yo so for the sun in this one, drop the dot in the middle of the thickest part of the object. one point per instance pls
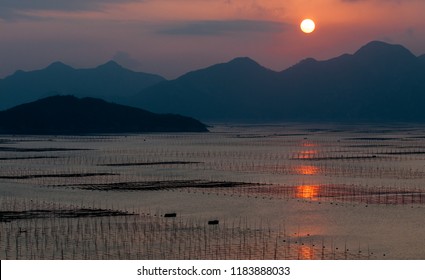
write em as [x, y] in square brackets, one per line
[307, 25]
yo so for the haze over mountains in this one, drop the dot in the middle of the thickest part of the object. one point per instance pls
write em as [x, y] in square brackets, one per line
[379, 82]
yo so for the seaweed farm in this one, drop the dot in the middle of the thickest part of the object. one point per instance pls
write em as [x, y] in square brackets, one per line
[285, 191]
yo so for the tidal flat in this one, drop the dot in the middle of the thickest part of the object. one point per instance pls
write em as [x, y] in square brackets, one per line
[283, 191]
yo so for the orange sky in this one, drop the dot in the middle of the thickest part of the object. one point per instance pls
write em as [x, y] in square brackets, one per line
[171, 37]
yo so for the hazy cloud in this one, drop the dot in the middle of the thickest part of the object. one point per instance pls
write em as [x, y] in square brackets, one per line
[64, 5]
[379, 1]
[10, 9]
[216, 27]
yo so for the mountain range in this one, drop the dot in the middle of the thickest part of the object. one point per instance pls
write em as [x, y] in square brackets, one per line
[379, 82]
[72, 115]
[109, 81]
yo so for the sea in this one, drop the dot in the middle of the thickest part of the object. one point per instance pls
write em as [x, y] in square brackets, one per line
[241, 191]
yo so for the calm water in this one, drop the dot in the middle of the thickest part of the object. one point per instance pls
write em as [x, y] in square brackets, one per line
[279, 191]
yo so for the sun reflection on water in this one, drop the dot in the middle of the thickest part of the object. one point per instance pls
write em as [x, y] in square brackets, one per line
[308, 144]
[306, 170]
[305, 253]
[308, 154]
[308, 192]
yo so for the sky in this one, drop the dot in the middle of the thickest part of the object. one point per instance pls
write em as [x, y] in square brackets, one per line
[172, 37]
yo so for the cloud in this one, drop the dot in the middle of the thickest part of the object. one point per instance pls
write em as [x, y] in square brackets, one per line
[223, 27]
[62, 5]
[11, 9]
[380, 1]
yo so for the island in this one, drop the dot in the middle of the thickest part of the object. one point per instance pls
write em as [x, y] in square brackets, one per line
[68, 115]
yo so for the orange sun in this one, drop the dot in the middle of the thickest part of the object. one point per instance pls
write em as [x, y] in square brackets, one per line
[307, 26]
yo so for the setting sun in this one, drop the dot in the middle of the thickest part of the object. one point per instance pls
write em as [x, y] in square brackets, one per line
[307, 26]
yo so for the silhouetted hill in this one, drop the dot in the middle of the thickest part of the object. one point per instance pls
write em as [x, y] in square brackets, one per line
[71, 115]
[379, 82]
[221, 91]
[379, 52]
[109, 81]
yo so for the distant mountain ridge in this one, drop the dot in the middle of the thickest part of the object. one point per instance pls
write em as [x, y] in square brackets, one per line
[109, 81]
[379, 82]
[218, 90]
[70, 115]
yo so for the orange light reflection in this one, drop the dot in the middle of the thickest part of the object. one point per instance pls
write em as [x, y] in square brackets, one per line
[308, 192]
[307, 170]
[305, 253]
[307, 154]
[309, 144]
